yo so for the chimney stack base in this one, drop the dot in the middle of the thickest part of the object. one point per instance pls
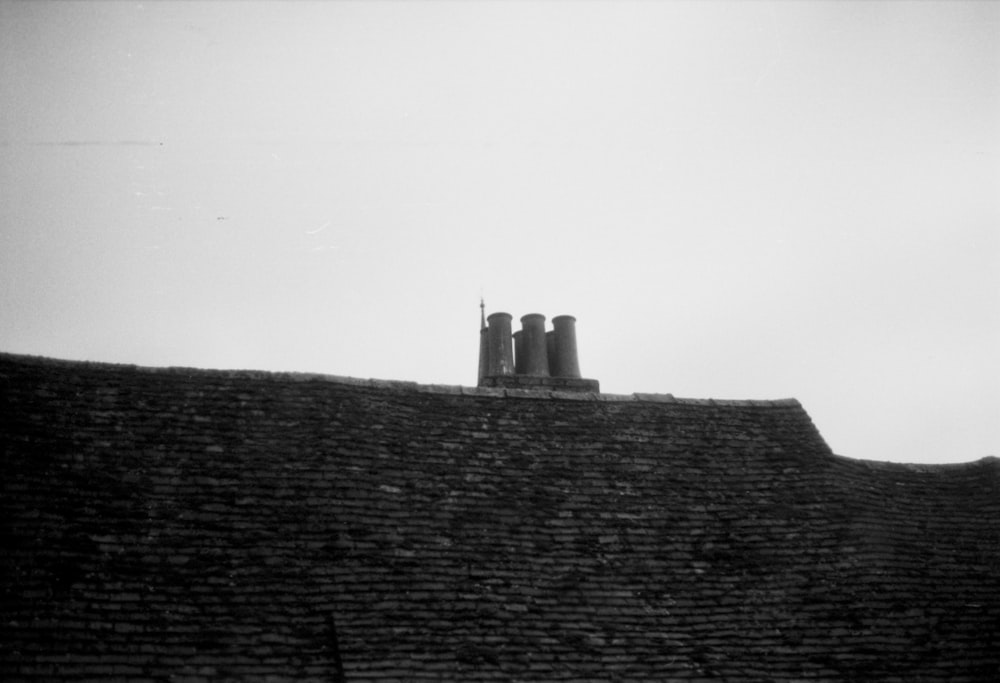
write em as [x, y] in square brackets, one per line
[536, 383]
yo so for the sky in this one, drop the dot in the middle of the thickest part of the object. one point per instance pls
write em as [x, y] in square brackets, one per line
[739, 200]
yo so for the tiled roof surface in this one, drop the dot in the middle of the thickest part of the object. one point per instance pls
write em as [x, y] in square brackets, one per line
[206, 525]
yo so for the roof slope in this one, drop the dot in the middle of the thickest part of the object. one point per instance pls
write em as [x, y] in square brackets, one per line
[213, 525]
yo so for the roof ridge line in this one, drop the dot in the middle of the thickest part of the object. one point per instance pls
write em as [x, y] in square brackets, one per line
[398, 384]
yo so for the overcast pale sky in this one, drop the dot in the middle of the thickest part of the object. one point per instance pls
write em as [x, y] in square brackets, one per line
[735, 199]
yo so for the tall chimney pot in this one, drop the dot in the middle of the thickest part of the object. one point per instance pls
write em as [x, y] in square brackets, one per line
[500, 359]
[484, 352]
[550, 351]
[519, 356]
[532, 355]
[566, 362]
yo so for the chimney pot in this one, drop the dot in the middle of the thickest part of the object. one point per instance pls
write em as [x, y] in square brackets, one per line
[564, 335]
[519, 356]
[484, 354]
[532, 355]
[550, 351]
[500, 354]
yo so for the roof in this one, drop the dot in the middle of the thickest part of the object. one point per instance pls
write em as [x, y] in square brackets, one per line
[207, 525]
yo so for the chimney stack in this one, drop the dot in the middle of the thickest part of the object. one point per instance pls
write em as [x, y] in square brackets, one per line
[543, 361]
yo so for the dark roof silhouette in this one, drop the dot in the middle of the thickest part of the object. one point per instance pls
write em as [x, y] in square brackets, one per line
[209, 525]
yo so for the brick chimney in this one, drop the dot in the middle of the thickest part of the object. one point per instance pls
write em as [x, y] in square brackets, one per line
[530, 358]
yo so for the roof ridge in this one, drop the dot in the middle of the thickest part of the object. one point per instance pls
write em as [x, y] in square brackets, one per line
[399, 385]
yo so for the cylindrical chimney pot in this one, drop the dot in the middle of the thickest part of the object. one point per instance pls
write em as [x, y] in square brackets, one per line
[567, 364]
[550, 351]
[484, 354]
[519, 356]
[533, 349]
[501, 355]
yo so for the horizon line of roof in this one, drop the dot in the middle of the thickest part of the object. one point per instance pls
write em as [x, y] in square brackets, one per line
[400, 385]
